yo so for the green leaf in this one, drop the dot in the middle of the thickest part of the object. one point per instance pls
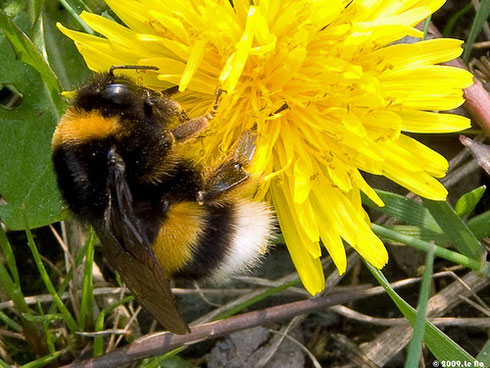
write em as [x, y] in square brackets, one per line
[34, 8]
[27, 178]
[468, 201]
[481, 17]
[452, 225]
[167, 360]
[420, 233]
[13, 7]
[175, 362]
[28, 53]
[405, 209]
[483, 356]
[438, 343]
[63, 56]
[480, 225]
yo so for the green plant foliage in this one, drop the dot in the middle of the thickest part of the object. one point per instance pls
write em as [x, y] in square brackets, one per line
[453, 226]
[484, 355]
[415, 347]
[405, 210]
[438, 343]
[27, 180]
[480, 225]
[468, 201]
[481, 17]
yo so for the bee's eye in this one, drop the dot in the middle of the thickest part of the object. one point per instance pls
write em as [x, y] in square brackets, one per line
[116, 93]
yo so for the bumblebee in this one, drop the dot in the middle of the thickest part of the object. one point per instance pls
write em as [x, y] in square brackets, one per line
[118, 156]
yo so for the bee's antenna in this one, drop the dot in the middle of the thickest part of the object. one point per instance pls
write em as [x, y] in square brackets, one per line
[133, 67]
[170, 91]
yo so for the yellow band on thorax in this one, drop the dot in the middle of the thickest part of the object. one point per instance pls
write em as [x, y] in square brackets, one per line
[78, 127]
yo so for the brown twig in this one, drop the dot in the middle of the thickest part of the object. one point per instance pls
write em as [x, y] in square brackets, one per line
[481, 45]
[161, 343]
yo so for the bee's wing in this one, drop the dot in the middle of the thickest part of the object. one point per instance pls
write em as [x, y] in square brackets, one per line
[131, 253]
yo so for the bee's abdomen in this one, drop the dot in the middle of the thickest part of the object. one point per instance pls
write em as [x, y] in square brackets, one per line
[213, 241]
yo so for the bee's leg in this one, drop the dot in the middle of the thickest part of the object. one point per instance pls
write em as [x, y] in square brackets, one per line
[190, 128]
[230, 173]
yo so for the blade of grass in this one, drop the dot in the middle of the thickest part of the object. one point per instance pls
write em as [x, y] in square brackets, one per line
[67, 317]
[41, 362]
[4, 365]
[10, 322]
[47, 332]
[415, 347]
[452, 225]
[86, 305]
[438, 343]
[426, 26]
[481, 17]
[100, 322]
[99, 340]
[448, 29]
[30, 330]
[69, 276]
[425, 246]
[11, 286]
[80, 4]
[75, 16]
[9, 256]
[13, 290]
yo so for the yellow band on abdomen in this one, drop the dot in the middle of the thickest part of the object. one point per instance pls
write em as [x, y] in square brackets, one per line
[178, 236]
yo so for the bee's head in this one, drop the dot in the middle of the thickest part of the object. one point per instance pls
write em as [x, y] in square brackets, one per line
[114, 111]
[120, 96]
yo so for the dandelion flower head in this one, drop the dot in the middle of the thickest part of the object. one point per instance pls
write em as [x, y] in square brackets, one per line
[324, 84]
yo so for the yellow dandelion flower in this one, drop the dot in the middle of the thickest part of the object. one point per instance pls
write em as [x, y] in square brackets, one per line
[325, 86]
